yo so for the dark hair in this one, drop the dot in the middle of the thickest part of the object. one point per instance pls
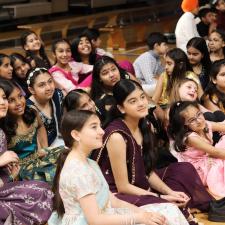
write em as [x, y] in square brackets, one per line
[6, 86]
[44, 62]
[72, 99]
[97, 87]
[204, 11]
[10, 122]
[177, 129]
[2, 56]
[211, 90]
[75, 53]
[33, 73]
[55, 43]
[200, 44]
[72, 120]
[181, 66]
[121, 91]
[222, 35]
[155, 38]
[91, 33]
[16, 56]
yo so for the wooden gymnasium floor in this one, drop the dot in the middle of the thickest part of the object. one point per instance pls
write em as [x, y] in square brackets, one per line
[130, 54]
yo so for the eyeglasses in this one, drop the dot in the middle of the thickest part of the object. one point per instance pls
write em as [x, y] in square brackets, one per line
[193, 120]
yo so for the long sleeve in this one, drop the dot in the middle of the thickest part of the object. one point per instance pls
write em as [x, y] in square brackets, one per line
[185, 30]
[62, 82]
[146, 67]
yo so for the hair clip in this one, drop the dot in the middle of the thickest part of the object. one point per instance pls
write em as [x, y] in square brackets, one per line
[31, 74]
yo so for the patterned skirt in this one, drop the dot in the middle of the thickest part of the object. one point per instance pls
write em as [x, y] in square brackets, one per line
[34, 167]
[25, 202]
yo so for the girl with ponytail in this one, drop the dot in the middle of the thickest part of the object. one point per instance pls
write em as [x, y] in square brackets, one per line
[82, 194]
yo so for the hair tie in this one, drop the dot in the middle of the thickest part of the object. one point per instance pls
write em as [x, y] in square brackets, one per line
[31, 74]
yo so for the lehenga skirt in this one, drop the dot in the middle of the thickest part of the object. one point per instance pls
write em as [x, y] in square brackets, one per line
[34, 167]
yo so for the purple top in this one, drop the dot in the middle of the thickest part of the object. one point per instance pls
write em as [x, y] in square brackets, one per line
[135, 163]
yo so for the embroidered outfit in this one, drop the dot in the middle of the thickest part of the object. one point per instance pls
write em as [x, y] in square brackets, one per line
[79, 76]
[89, 180]
[23, 202]
[51, 123]
[178, 176]
[33, 167]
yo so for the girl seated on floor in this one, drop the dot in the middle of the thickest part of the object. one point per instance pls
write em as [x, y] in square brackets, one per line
[82, 194]
[192, 136]
[26, 135]
[46, 100]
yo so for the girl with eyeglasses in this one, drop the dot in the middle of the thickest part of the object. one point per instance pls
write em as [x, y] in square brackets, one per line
[192, 136]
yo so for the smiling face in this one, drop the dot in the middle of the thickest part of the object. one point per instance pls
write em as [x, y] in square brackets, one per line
[91, 135]
[194, 56]
[109, 75]
[135, 105]
[6, 69]
[188, 91]
[43, 88]
[194, 119]
[17, 102]
[21, 68]
[216, 42]
[33, 43]
[63, 53]
[84, 46]
[3, 104]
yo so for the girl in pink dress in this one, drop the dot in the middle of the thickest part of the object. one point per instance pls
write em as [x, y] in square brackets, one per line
[192, 136]
[68, 74]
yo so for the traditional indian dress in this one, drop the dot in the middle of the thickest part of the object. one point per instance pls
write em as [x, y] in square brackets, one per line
[80, 76]
[33, 167]
[51, 123]
[211, 170]
[178, 176]
[22, 202]
[89, 180]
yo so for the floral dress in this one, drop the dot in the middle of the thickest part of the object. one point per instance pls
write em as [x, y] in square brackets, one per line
[74, 185]
[22, 202]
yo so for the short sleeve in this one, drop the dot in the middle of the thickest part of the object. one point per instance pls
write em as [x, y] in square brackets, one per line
[81, 182]
[83, 186]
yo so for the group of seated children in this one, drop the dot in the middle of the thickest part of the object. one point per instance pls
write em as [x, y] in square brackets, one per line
[90, 140]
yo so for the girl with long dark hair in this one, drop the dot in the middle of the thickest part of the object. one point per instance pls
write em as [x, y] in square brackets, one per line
[192, 136]
[20, 71]
[67, 73]
[199, 59]
[26, 135]
[129, 165]
[82, 194]
[19, 198]
[34, 48]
